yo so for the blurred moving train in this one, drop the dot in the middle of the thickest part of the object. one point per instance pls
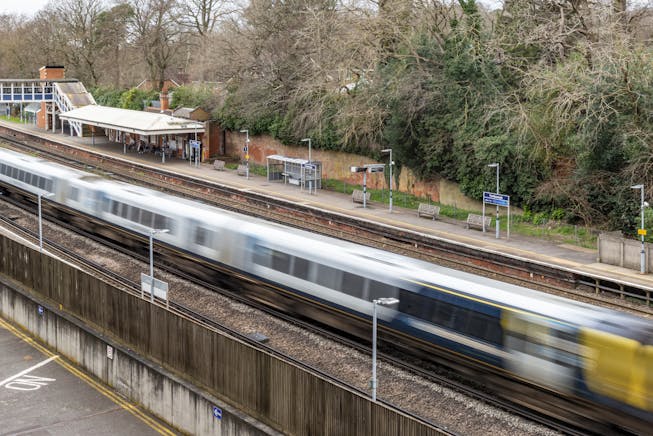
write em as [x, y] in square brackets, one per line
[600, 357]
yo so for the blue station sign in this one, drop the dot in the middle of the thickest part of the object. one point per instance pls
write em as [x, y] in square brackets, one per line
[496, 199]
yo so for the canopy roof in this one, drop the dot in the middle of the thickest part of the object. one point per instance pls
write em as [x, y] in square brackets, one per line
[287, 159]
[127, 120]
[32, 108]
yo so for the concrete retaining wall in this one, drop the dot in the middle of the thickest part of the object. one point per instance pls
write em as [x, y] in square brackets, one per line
[622, 252]
[171, 399]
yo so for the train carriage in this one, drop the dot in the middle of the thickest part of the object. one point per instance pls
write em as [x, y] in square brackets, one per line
[582, 351]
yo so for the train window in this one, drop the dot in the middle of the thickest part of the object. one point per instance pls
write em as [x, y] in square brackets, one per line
[48, 185]
[21, 175]
[134, 214]
[42, 182]
[14, 173]
[476, 325]
[115, 208]
[74, 194]
[353, 284]
[300, 268]
[3, 169]
[443, 314]
[146, 218]
[262, 255]
[327, 276]
[124, 210]
[413, 304]
[380, 290]
[160, 222]
[203, 236]
[281, 261]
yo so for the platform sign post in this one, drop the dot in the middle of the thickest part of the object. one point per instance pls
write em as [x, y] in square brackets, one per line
[309, 173]
[154, 287]
[497, 200]
[246, 150]
[371, 168]
[195, 145]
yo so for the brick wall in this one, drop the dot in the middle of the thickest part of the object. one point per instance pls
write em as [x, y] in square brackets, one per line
[336, 165]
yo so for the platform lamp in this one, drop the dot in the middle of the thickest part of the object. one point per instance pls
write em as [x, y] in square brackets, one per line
[309, 147]
[246, 150]
[152, 233]
[389, 150]
[40, 195]
[383, 302]
[641, 231]
[496, 165]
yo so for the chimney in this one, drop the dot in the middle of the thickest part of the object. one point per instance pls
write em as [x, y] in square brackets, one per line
[52, 72]
[163, 98]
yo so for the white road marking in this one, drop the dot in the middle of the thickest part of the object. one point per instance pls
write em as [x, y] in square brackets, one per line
[27, 371]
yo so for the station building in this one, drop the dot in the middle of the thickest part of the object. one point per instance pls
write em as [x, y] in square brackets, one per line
[58, 104]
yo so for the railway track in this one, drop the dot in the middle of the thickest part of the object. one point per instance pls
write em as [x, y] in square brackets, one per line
[594, 290]
[419, 368]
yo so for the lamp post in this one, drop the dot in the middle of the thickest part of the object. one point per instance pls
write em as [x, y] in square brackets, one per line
[641, 231]
[40, 195]
[309, 147]
[496, 165]
[152, 233]
[310, 185]
[382, 302]
[246, 150]
[389, 150]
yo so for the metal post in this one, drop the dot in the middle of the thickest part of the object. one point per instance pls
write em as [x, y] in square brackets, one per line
[641, 231]
[364, 189]
[40, 227]
[496, 165]
[309, 148]
[387, 301]
[151, 267]
[389, 150]
[375, 302]
[642, 268]
[309, 161]
[152, 233]
[497, 220]
[246, 150]
[40, 195]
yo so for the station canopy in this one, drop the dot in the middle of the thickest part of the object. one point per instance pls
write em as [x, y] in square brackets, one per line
[131, 121]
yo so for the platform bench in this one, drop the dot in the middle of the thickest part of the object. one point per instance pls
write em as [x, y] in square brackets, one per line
[428, 210]
[474, 220]
[241, 170]
[357, 196]
[218, 165]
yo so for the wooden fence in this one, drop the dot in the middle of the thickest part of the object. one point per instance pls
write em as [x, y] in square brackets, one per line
[273, 391]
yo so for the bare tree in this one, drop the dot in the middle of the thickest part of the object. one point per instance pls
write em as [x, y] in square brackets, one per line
[155, 30]
[203, 16]
[79, 36]
[112, 29]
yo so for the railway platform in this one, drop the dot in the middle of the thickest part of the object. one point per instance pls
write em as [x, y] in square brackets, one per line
[540, 250]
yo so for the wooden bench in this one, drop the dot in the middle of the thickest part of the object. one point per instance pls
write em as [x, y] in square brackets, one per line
[474, 220]
[357, 196]
[241, 170]
[428, 210]
[218, 165]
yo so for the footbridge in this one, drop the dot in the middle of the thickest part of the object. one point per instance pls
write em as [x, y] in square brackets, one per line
[53, 91]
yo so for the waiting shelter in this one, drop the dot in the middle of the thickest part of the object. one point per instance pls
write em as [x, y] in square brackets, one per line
[143, 131]
[301, 172]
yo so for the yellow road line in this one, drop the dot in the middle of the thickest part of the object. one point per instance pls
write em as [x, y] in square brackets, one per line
[159, 428]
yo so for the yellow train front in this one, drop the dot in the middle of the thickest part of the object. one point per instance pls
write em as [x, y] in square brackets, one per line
[600, 356]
